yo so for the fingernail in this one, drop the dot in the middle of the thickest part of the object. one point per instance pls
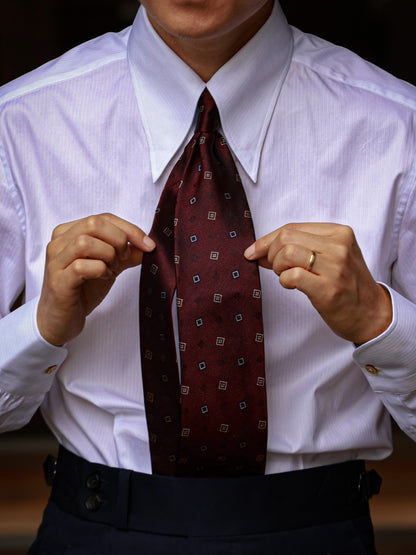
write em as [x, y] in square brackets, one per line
[150, 244]
[250, 251]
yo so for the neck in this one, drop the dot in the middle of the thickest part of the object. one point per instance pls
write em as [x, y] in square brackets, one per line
[206, 55]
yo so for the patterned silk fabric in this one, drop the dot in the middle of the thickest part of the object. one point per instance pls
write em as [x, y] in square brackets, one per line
[209, 418]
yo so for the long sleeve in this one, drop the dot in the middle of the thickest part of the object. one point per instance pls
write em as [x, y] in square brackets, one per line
[389, 361]
[27, 362]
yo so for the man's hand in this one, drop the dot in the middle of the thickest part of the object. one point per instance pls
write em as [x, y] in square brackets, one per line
[339, 284]
[83, 260]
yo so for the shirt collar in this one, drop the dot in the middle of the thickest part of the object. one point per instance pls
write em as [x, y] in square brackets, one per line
[245, 89]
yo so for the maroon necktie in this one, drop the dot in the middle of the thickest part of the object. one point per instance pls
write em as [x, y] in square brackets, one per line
[209, 418]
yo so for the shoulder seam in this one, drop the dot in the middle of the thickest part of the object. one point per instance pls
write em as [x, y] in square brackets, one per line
[60, 78]
[359, 84]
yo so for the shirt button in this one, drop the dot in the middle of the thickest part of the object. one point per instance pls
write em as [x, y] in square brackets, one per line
[371, 369]
[51, 369]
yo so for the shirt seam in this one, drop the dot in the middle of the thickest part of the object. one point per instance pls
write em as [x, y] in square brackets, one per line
[410, 189]
[31, 89]
[409, 184]
[386, 94]
[11, 186]
[56, 79]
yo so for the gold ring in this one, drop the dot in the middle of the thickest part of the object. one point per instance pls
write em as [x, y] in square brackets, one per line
[311, 261]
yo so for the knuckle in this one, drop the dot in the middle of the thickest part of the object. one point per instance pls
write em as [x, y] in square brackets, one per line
[57, 231]
[78, 267]
[50, 250]
[296, 274]
[342, 255]
[92, 223]
[289, 279]
[289, 252]
[54, 283]
[347, 234]
[81, 243]
[286, 235]
[287, 227]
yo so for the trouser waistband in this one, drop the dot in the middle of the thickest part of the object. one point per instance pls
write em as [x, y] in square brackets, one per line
[210, 506]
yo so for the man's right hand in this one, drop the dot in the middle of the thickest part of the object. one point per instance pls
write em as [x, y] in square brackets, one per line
[83, 260]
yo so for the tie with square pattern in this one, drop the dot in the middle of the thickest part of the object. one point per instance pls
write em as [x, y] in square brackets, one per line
[213, 420]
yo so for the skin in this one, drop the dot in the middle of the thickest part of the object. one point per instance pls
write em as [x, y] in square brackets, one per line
[207, 33]
[85, 257]
[83, 261]
[339, 284]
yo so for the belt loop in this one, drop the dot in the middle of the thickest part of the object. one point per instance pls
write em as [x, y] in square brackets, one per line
[369, 484]
[122, 508]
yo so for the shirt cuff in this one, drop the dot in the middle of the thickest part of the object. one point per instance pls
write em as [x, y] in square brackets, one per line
[389, 360]
[28, 363]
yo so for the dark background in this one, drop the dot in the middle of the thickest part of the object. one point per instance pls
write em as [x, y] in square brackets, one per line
[34, 31]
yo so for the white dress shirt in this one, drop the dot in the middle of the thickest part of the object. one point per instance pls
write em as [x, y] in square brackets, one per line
[318, 135]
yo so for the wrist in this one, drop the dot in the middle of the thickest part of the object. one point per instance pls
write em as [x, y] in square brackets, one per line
[377, 320]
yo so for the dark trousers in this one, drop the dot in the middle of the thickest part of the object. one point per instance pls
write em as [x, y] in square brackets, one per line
[62, 533]
[97, 510]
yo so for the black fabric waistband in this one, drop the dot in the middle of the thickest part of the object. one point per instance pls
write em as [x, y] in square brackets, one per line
[210, 506]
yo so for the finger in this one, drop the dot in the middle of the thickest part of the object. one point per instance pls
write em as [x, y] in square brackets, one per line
[264, 263]
[82, 269]
[62, 285]
[85, 247]
[287, 249]
[325, 229]
[311, 235]
[109, 228]
[301, 279]
[135, 235]
[134, 259]
[259, 249]
[270, 244]
[97, 227]
[296, 256]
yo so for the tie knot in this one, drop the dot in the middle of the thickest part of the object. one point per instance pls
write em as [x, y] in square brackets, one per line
[208, 114]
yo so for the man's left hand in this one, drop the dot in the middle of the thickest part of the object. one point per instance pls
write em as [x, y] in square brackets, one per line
[324, 261]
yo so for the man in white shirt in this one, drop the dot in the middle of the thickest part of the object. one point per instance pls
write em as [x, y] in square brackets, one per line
[318, 136]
